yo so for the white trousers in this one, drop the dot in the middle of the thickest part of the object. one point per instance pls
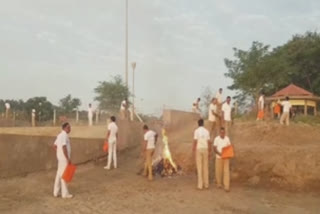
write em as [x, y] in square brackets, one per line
[112, 154]
[90, 120]
[59, 183]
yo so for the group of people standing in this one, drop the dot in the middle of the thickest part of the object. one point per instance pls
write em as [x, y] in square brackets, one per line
[219, 113]
[62, 147]
[285, 105]
[205, 142]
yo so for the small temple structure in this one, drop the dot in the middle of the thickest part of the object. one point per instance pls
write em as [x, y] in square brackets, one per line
[303, 101]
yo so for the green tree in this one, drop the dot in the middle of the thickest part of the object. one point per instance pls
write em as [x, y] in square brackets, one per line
[302, 54]
[206, 97]
[111, 93]
[249, 77]
[257, 69]
[44, 108]
[68, 104]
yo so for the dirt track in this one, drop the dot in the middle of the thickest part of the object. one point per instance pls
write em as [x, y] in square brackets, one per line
[122, 191]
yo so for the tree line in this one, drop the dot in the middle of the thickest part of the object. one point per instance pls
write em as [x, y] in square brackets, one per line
[109, 95]
[262, 69]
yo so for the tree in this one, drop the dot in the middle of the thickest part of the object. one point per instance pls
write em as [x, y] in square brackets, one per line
[44, 109]
[249, 78]
[258, 69]
[206, 97]
[303, 57]
[68, 104]
[111, 93]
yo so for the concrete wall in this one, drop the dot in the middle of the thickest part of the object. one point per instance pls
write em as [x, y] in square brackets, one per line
[22, 154]
[175, 118]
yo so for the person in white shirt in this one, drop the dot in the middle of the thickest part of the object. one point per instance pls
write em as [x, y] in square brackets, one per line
[201, 149]
[219, 97]
[222, 166]
[33, 118]
[285, 117]
[123, 109]
[196, 106]
[149, 145]
[63, 151]
[226, 115]
[112, 137]
[261, 107]
[214, 117]
[7, 105]
[90, 114]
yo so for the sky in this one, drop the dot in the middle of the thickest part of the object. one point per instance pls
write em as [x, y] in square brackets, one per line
[54, 48]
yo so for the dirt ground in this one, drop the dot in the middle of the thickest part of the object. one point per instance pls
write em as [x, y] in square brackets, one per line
[276, 170]
[266, 154]
[123, 191]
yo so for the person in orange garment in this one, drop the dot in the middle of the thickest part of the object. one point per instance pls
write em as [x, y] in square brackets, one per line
[261, 107]
[277, 109]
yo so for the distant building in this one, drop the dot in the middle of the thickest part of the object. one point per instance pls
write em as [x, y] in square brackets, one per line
[303, 101]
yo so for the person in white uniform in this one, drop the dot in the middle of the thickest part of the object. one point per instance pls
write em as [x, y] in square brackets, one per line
[33, 117]
[112, 137]
[222, 166]
[149, 145]
[90, 114]
[201, 149]
[196, 106]
[285, 117]
[261, 107]
[214, 118]
[123, 109]
[63, 152]
[7, 105]
[226, 116]
[219, 97]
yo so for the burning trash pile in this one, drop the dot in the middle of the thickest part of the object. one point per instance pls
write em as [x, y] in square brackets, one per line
[165, 166]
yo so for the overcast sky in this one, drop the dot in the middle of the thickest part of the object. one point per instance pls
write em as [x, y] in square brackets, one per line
[55, 47]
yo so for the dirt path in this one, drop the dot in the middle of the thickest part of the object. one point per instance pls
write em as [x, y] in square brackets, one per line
[122, 191]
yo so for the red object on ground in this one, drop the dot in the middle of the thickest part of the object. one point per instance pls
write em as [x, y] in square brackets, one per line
[227, 152]
[105, 146]
[69, 172]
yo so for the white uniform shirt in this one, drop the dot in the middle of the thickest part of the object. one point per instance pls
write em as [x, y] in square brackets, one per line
[261, 102]
[286, 106]
[220, 144]
[213, 108]
[202, 136]
[90, 112]
[63, 140]
[226, 108]
[113, 128]
[195, 106]
[150, 137]
[219, 97]
[7, 105]
[123, 105]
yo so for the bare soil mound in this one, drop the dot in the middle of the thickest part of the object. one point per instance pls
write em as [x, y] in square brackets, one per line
[267, 154]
